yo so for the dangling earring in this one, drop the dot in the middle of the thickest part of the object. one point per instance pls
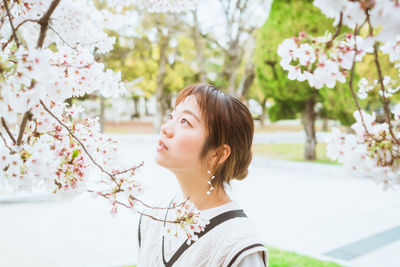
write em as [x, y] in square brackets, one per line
[210, 183]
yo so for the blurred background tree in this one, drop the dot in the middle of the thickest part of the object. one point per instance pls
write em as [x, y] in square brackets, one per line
[293, 98]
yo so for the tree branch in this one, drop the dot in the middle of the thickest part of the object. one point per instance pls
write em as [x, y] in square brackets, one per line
[16, 29]
[141, 213]
[11, 22]
[130, 169]
[3, 122]
[62, 39]
[78, 140]
[5, 143]
[336, 34]
[212, 39]
[112, 176]
[44, 22]
[385, 102]
[27, 117]
[159, 208]
[356, 31]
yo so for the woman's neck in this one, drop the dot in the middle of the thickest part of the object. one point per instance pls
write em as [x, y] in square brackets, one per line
[195, 187]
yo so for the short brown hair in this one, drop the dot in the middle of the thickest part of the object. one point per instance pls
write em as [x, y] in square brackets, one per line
[228, 121]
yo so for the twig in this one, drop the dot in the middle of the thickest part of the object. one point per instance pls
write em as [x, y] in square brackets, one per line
[62, 39]
[78, 140]
[112, 176]
[215, 41]
[11, 22]
[5, 143]
[336, 34]
[356, 31]
[159, 208]
[144, 214]
[3, 122]
[385, 102]
[16, 29]
[44, 22]
[130, 169]
[370, 28]
[27, 117]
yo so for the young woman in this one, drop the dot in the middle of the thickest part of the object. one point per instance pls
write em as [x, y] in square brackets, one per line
[206, 143]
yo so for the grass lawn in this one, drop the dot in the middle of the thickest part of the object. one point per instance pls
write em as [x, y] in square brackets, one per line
[290, 152]
[283, 258]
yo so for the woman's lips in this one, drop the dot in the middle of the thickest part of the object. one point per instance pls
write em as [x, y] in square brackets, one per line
[161, 146]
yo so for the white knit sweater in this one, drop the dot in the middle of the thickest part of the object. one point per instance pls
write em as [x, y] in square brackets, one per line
[231, 239]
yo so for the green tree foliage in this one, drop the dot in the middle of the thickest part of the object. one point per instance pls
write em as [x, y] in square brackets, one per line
[289, 18]
[137, 57]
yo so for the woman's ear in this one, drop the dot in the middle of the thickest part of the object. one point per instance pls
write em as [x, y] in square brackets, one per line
[220, 155]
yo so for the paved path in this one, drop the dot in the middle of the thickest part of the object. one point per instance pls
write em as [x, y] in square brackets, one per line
[313, 209]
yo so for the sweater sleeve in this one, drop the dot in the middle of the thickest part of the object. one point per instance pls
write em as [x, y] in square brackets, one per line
[252, 260]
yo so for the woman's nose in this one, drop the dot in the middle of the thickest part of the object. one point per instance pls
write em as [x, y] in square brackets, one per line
[166, 130]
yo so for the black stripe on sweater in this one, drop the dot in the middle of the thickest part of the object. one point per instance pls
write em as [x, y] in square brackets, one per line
[243, 250]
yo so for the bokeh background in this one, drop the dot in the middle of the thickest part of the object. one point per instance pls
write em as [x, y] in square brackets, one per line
[308, 210]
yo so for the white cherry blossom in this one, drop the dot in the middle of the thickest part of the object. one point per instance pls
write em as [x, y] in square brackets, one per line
[60, 149]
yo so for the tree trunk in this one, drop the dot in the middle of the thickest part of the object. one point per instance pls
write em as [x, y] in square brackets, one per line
[247, 82]
[231, 68]
[146, 108]
[263, 112]
[101, 117]
[325, 125]
[308, 118]
[136, 114]
[249, 73]
[160, 107]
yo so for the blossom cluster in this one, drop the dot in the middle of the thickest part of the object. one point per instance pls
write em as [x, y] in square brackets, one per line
[384, 15]
[365, 86]
[320, 60]
[46, 58]
[190, 221]
[370, 152]
[373, 150]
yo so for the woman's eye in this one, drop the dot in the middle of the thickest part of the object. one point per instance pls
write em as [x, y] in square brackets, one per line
[170, 116]
[184, 121]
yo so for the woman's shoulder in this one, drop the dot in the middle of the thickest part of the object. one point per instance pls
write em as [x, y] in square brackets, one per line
[236, 221]
[234, 238]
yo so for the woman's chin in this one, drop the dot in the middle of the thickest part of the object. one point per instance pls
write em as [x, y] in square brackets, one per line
[159, 160]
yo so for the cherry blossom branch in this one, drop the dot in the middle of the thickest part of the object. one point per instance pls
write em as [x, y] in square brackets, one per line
[72, 66]
[5, 143]
[356, 31]
[370, 28]
[3, 122]
[130, 169]
[112, 176]
[159, 208]
[385, 102]
[14, 32]
[336, 34]
[78, 140]
[62, 39]
[27, 117]
[44, 22]
[16, 29]
[141, 213]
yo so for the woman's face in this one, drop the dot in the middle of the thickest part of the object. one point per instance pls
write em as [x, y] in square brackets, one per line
[182, 138]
